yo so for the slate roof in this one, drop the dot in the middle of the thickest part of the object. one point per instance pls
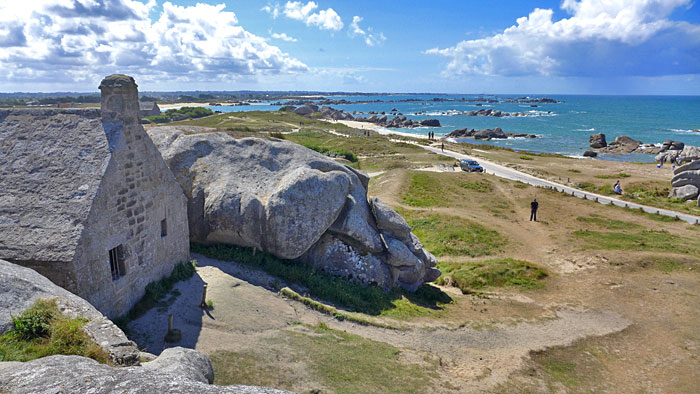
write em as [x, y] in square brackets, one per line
[146, 105]
[51, 164]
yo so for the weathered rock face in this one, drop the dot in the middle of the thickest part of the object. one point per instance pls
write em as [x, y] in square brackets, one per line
[177, 370]
[590, 153]
[290, 201]
[598, 141]
[21, 287]
[686, 181]
[487, 134]
[672, 145]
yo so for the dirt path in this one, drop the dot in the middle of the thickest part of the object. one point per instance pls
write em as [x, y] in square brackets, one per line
[247, 313]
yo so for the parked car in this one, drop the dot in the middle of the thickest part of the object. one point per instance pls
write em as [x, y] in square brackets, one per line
[470, 166]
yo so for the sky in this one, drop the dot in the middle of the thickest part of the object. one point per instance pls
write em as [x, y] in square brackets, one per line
[437, 46]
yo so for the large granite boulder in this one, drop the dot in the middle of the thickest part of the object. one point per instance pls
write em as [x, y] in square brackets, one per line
[176, 370]
[487, 134]
[20, 287]
[290, 201]
[622, 145]
[685, 183]
[598, 141]
[687, 154]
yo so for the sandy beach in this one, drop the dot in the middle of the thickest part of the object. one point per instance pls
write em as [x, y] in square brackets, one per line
[379, 129]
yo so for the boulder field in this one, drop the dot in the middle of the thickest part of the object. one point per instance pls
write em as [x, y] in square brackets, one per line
[295, 203]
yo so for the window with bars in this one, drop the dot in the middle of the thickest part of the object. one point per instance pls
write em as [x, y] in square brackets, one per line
[116, 262]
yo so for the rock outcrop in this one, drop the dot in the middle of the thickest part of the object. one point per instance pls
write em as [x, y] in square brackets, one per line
[687, 154]
[290, 201]
[399, 122]
[598, 141]
[685, 184]
[21, 287]
[176, 370]
[590, 153]
[486, 134]
[622, 145]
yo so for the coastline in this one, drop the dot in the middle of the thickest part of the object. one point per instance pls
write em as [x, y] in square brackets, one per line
[378, 129]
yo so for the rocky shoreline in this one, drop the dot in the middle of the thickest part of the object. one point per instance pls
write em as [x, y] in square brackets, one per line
[328, 113]
[486, 134]
[506, 100]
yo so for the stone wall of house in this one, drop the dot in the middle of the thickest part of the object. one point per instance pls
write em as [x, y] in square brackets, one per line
[137, 193]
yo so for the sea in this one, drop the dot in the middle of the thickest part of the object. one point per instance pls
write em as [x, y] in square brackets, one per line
[563, 127]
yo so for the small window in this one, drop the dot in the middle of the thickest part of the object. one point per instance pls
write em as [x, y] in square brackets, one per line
[164, 227]
[116, 262]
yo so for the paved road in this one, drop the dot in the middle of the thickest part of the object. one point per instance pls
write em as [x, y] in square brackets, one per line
[509, 173]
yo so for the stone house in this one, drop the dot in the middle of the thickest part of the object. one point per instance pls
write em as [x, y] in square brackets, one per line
[87, 200]
[149, 108]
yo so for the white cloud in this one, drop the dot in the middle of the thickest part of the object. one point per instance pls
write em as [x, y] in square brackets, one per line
[272, 9]
[83, 40]
[370, 38]
[602, 37]
[283, 37]
[326, 19]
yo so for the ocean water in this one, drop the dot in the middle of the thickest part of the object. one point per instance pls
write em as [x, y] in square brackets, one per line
[561, 127]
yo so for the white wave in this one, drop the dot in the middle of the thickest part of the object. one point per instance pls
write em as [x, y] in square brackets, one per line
[683, 131]
[591, 129]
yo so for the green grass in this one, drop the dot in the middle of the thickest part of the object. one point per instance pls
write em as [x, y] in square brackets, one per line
[424, 191]
[453, 236]
[561, 371]
[477, 186]
[339, 361]
[338, 291]
[609, 224]
[507, 272]
[523, 157]
[42, 330]
[156, 292]
[575, 171]
[647, 240]
[613, 176]
[349, 156]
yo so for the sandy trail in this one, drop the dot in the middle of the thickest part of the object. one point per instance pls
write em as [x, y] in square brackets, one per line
[247, 312]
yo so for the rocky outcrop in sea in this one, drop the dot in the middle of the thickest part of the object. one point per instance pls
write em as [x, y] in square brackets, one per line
[295, 203]
[486, 134]
[620, 146]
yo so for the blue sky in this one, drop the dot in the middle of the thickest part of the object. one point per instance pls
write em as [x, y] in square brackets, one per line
[569, 46]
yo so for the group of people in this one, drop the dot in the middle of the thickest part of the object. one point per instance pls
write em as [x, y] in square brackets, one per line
[617, 188]
[366, 133]
[431, 135]
[674, 161]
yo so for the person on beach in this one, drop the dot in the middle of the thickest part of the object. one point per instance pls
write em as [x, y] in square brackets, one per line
[533, 209]
[442, 146]
[617, 188]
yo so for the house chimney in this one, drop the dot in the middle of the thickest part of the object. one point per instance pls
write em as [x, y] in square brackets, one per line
[120, 99]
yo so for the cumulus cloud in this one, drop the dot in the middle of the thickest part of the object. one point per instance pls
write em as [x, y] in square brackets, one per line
[326, 19]
[370, 38]
[601, 37]
[83, 40]
[283, 37]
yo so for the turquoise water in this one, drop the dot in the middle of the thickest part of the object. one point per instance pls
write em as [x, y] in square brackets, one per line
[565, 130]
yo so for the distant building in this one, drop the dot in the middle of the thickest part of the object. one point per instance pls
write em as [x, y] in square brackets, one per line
[87, 200]
[149, 108]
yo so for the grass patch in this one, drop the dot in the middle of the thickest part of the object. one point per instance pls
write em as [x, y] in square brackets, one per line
[340, 292]
[477, 186]
[423, 191]
[648, 240]
[453, 236]
[610, 224]
[336, 360]
[561, 371]
[507, 272]
[575, 171]
[613, 176]
[156, 292]
[349, 156]
[42, 330]
[523, 157]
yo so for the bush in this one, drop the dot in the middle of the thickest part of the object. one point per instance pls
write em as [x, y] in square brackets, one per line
[42, 330]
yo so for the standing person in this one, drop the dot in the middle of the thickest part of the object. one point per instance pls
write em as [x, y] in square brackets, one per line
[533, 209]
[442, 146]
